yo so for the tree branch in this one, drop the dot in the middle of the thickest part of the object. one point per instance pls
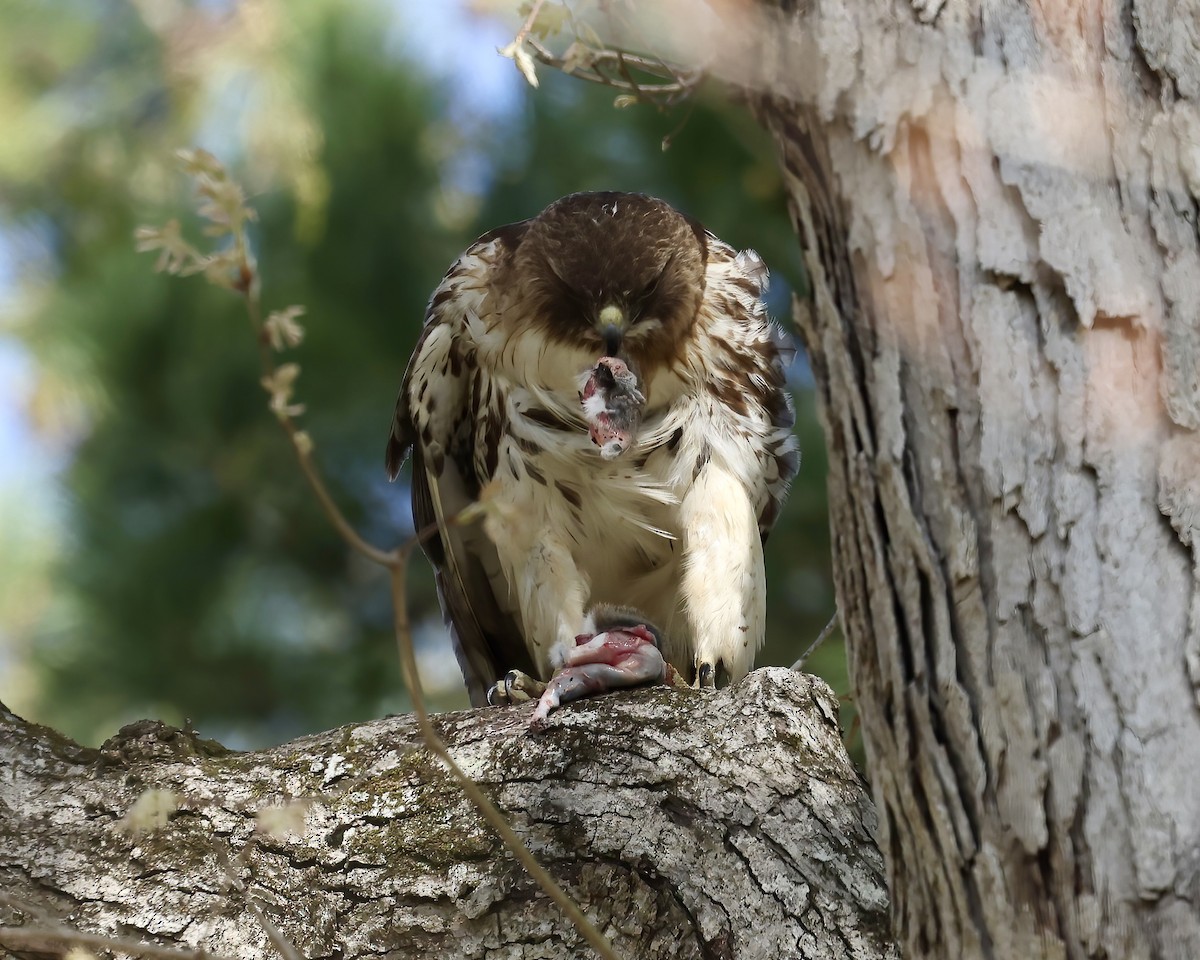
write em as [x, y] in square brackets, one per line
[686, 824]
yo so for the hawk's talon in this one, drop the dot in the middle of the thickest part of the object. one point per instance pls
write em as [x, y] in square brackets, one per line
[675, 679]
[706, 676]
[497, 695]
[521, 687]
[515, 687]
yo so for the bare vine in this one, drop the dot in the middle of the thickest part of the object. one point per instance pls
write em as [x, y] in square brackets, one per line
[49, 936]
[222, 202]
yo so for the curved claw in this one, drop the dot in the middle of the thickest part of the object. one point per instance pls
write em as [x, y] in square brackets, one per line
[515, 687]
[706, 676]
[676, 681]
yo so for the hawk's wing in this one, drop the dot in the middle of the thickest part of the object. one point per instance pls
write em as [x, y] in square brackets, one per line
[747, 359]
[782, 451]
[435, 418]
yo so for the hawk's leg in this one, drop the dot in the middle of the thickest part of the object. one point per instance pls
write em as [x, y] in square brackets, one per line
[727, 614]
[550, 590]
[515, 687]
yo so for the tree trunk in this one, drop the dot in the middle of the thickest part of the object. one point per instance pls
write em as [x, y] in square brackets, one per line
[723, 825]
[998, 208]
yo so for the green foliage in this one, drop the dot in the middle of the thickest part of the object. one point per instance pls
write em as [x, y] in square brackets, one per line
[197, 577]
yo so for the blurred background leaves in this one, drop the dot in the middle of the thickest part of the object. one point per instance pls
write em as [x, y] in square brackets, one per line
[162, 556]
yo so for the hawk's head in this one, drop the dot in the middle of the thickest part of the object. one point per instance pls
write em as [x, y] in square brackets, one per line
[621, 271]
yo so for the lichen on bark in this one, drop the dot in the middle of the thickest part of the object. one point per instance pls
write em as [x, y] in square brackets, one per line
[727, 824]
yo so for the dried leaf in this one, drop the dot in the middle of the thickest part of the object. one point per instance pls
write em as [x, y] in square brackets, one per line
[282, 328]
[280, 385]
[200, 163]
[223, 204]
[150, 811]
[525, 65]
[176, 254]
[587, 33]
[577, 55]
[304, 443]
[221, 269]
[284, 819]
[520, 56]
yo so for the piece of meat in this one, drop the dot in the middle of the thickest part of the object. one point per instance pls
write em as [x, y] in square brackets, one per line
[626, 656]
[612, 405]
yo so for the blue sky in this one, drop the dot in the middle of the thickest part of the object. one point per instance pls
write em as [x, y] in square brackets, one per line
[22, 455]
[17, 441]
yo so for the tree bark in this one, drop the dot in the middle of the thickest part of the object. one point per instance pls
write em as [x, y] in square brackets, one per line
[997, 203]
[721, 825]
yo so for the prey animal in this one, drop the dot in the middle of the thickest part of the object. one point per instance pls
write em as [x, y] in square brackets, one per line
[617, 649]
[605, 378]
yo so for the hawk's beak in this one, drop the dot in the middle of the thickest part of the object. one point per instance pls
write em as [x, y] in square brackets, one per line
[612, 325]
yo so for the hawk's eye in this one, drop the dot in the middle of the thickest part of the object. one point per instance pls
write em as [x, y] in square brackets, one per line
[646, 297]
[568, 293]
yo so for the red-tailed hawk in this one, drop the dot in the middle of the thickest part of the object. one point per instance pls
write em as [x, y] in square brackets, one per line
[608, 370]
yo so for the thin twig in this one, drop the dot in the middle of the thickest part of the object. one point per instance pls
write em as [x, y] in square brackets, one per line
[408, 664]
[246, 283]
[530, 20]
[848, 740]
[348, 533]
[396, 562]
[27, 908]
[278, 938]
[311, 473]
[821, 638]
[676, 83]
[51, 939]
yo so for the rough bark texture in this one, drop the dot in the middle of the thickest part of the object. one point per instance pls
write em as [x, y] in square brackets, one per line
[723, 825]
[998, 207]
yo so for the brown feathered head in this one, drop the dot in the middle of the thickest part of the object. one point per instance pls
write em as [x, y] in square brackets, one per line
[622, 271]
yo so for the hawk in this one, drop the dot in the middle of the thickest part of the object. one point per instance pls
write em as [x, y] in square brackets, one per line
[606, 376]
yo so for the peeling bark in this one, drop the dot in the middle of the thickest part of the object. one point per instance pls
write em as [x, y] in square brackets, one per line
[721, 825]
[998, 207]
